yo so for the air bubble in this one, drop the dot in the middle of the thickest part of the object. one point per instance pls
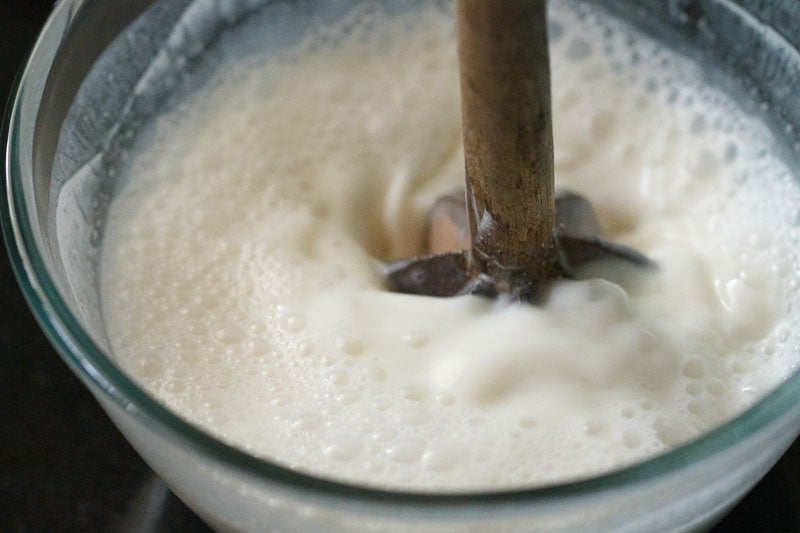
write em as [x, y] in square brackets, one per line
[579, 49]
[441, 460]
[696, 408]
[382, 404]
[408, 450]
[307, 422]
[339, 378]
[413, 415]
[602, 125]
[229, 335]
[759, 239]
[375, 373]
[716, 387]
[794, 217]
[782, 334]
[385, 434]
[631, 439]
[670, 431]
[416, 393]
[257, 347]
[595, 427]
[348, 397]
[698, 124]
[329, 411]
[281, 400]
[416, 339]
[693, 368]
[294, 323]
[476, 421]
[344, 448]
[364, 428]
[150, 368]
[694, 388]
[731, 152]
[555, 30]
[305, 348]
[177, 386]
[350, 345]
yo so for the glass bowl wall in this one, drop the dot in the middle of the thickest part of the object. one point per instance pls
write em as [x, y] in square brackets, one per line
[79, 103]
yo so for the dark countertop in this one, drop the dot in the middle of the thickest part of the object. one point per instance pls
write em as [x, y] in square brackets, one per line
[65, 467]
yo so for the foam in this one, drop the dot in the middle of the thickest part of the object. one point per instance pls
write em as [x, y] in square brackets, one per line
[241, 285]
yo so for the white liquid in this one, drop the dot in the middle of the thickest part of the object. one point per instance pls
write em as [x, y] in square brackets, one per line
[241, 286]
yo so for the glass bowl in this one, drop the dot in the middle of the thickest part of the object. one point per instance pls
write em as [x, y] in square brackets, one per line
[81, 79]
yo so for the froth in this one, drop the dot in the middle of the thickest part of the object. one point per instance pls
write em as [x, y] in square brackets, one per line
[241, 285]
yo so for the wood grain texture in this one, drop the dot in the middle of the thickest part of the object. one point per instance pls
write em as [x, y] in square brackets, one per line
[508, 139]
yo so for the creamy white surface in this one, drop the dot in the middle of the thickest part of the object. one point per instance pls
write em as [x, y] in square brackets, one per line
[241, 281]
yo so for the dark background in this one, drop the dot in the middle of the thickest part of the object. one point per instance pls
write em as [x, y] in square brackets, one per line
[63, 465]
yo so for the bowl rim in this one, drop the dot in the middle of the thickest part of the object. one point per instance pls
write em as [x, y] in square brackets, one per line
[101, 375]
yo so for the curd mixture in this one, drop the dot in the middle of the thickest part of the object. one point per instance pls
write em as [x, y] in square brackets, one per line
[242, 272]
